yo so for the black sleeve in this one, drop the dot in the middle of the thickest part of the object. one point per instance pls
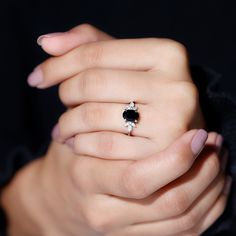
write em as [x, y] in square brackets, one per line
[219, 110]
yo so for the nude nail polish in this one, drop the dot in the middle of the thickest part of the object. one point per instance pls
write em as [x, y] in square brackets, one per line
[198, 141]
[70, 142]
[55, 132]
[36, 77]
[51, 35]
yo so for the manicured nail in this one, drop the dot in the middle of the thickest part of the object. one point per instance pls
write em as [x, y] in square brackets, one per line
[227, 186]
[40, 38]
[224, 159]
[219, 143]
[70, 142]
[36, 77]
[198, 141]
[55, 132]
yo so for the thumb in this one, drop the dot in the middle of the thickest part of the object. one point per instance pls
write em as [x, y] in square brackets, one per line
[160, 169]
[57, 44]
[139, 179]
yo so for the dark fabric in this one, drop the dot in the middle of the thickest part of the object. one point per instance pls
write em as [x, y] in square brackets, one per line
[28, 115]
[219, 110]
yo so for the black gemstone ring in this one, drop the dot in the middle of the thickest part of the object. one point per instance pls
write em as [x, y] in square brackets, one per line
[131, 116]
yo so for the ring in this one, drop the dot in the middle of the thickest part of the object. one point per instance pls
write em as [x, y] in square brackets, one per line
[130, 116]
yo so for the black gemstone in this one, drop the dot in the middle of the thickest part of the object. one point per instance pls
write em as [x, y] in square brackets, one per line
[130, 115]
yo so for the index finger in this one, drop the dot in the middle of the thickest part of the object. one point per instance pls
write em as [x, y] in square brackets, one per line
[128, 54]
[59, 44]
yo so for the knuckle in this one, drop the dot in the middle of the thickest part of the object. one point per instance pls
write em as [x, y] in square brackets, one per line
[87, 28]
[187, 94]
[95, 80]
[178, 201]
[91, 54]
[97, 219]
[133, 183]
[176, 51]
[84, 83]
[90, 82]
[180, 126]
[65, 92]
[181, 160]
[91, 115]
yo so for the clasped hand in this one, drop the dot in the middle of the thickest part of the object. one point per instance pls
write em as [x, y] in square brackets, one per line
[167, 178]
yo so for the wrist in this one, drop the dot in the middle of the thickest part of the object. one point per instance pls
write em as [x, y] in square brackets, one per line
[22, 203]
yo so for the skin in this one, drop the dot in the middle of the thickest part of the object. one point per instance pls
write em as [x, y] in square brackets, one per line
[89, 191]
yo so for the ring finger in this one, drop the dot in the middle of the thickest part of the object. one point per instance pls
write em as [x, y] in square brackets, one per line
[92, 117]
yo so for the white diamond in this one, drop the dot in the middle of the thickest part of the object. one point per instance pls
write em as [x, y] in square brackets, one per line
[130, 128]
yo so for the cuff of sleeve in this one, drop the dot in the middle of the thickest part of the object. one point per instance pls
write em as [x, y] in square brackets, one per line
[219, 110]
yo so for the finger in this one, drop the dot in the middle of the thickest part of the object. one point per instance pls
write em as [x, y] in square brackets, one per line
[119, 86]
[139, 179]
[95, 117]
[176, 198]
[57, 44]
[92, 117]
[127, 54]
[179, 195]
[174, 205]
[184, 222]
[214, 213]
[107, 85]
[112, 145]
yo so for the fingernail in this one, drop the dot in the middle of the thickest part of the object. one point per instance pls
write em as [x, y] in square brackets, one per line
[198, 141]
[55, 132]
[70, 142]
[224, 159]
[227, 186]
[36, 77]
[219, 143]
[40, 38]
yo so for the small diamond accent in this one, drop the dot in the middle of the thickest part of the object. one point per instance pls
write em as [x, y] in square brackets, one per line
[130, 117]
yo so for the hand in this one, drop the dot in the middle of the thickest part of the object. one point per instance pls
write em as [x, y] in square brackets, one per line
[98, 84]
[142, 157]
[63, 194]
[61, 168]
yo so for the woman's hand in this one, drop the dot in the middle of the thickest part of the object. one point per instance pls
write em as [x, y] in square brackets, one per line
[145, 179]
[169, 193]
[102, 77]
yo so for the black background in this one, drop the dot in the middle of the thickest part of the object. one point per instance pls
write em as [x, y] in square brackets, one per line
[206, 28]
